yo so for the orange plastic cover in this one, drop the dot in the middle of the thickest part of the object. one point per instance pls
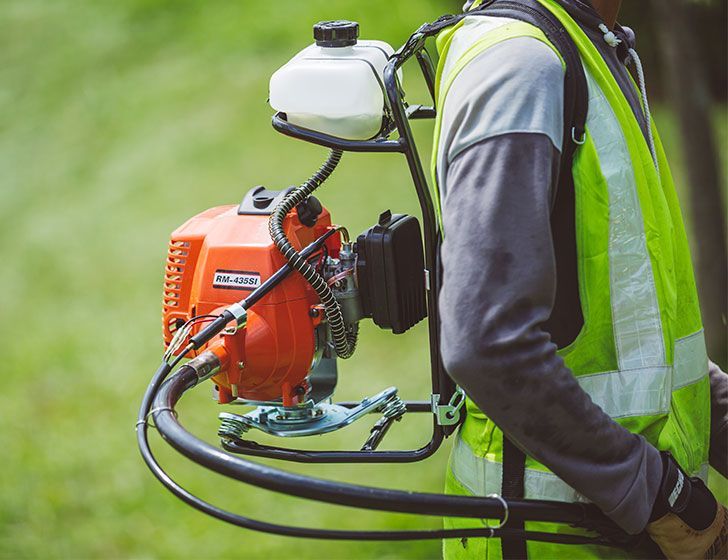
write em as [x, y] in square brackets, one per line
[219, 257]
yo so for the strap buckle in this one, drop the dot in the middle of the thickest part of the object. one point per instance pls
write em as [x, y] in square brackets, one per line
[448, 414]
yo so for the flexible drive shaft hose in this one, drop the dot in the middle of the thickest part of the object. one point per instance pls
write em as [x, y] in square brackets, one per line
[344, 338]
[160, 400]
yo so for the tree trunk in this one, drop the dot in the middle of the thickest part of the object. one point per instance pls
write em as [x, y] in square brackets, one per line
[687, 87]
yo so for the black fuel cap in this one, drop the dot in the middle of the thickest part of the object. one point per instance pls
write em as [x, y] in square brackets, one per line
[337, 33]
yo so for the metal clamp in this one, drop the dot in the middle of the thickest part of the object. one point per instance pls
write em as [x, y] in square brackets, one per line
[308, 419]
[150, 415]
[240, 314]
[505, 512]
[448, 414]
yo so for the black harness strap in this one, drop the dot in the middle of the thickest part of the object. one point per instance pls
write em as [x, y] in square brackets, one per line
[512, 486]
[566, 319]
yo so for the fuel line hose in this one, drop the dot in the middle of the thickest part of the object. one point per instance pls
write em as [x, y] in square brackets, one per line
[344, 337]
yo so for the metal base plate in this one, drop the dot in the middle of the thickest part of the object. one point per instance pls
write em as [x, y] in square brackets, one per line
[308, 419]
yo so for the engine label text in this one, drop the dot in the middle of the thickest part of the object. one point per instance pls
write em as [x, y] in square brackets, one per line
[235, 280]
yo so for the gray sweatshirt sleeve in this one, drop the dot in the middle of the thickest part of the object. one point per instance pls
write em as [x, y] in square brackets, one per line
[500, 278]
[718, 419]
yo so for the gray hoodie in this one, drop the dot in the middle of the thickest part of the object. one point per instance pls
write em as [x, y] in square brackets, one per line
[497, 163]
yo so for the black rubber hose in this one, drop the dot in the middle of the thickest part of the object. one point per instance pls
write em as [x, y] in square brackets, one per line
[348, 494]
[186, 379]
[344, 338]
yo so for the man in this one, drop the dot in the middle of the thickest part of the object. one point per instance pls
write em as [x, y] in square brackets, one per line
[595, 373]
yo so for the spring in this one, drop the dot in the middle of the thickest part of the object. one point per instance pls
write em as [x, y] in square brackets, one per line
[231, 427]
[394, 408]
[344, 337]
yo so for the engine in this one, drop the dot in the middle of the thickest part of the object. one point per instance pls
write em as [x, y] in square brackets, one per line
[285, 354]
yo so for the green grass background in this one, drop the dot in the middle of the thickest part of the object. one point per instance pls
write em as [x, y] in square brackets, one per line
[118, 121]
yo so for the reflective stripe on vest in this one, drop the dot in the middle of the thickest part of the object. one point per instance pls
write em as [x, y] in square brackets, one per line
[646, 391]
[482, 477]
[635, 313]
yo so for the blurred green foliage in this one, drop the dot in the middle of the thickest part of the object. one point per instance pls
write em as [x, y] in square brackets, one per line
[118, 121]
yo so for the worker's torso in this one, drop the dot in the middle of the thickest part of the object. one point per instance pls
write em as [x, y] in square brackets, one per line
[640, 353]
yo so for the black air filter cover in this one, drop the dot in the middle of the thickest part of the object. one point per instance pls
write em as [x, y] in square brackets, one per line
[391, 272]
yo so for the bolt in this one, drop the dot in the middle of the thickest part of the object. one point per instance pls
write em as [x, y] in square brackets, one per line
[314, 312]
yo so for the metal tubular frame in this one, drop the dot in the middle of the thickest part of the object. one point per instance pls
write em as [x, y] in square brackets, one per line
[401, 114]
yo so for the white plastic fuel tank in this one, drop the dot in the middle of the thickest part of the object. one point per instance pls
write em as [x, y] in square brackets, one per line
[334, 86]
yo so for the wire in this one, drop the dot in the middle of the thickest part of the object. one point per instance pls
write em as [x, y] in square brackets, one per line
[344, 233]
[181, 334]
[322, 259]
[340, 276]
[645, 106]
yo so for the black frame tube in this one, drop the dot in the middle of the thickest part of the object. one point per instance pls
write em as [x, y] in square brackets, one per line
[346, 494]
[163, 396]
[405, 144]
[254, 449]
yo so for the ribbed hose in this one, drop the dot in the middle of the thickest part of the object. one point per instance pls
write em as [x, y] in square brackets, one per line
[344, 338]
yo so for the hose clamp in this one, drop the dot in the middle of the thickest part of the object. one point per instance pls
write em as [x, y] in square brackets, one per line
[205, 365]
[238, 312]
[150, 415]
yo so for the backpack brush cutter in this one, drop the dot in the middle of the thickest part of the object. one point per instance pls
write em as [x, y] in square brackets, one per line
[262, 298]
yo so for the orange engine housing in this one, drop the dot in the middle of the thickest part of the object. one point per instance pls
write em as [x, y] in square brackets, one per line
[217, 258]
